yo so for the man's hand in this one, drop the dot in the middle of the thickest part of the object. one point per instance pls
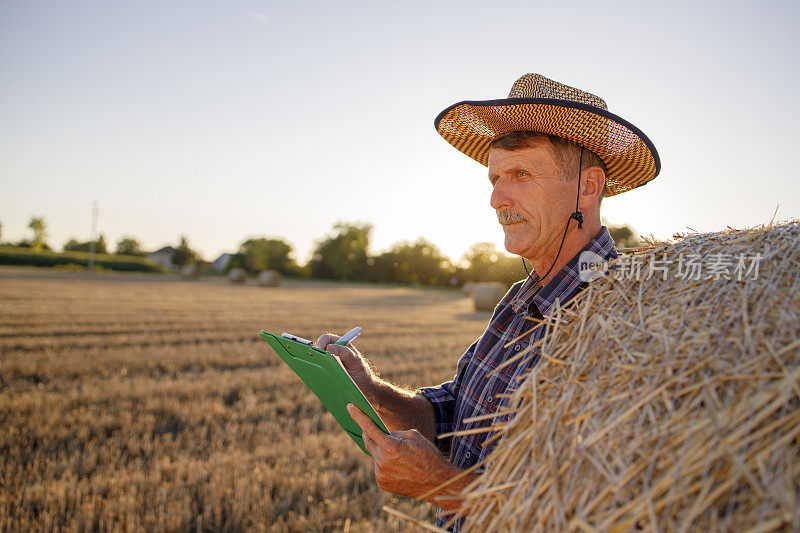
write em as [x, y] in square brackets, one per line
[409, 464]
[353, 362]
[398, 408]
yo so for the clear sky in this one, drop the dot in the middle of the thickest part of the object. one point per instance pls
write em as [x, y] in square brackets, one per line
[227, 119]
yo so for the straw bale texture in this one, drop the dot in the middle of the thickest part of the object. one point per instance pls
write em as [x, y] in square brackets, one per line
[237, 275]
[270, 278]
[468, 288]
[668, 403]
[487, 294]
[190, 271]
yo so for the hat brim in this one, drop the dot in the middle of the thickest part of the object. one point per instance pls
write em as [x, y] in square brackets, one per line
[630, 157]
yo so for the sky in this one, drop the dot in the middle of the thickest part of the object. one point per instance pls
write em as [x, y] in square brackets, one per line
[223, 120]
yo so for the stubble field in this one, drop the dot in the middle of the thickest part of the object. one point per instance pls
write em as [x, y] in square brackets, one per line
[142, 402]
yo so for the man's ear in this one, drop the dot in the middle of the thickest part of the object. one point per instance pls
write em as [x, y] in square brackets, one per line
[593, 179]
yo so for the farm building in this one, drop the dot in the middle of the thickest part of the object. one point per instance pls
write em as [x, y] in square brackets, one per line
[163, 256]
[221, 263]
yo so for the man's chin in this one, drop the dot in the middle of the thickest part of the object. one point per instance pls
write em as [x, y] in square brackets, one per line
[517, 238]
[515, 247]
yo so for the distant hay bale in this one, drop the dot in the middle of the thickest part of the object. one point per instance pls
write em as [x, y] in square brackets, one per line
[190, 271]
[270, 278]
[237, 275]
[670, 402]
[468, 287]
[486, 295]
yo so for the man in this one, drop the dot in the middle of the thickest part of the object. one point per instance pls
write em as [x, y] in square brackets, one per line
[553, 153]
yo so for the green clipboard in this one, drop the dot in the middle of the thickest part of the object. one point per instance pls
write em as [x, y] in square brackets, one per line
[327, 379]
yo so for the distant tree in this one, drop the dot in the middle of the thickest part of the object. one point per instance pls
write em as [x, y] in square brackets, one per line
[100, 247]
[184, 255]
[509, 269]
[485, 263]
[260, 254]
[342, 255]
[624, 236]
[72, 245]
[481, 259]
[411, 262]
[39, 228]
[129, 246]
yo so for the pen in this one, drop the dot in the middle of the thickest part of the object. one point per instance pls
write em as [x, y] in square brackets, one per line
[348, 337]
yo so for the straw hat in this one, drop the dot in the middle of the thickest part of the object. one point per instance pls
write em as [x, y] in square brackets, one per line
[539, 104]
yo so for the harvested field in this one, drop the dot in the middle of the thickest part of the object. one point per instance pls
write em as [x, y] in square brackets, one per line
[135, 401]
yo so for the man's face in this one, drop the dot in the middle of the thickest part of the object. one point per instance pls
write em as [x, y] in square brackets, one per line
[532, 200]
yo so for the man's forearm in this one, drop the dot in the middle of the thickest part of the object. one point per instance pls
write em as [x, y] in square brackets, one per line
[402, 409]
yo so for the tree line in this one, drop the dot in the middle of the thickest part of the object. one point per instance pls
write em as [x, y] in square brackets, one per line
[344, 254]
[125, 246]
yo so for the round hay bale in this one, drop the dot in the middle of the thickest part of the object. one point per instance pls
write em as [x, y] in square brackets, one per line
[468, 287]
[190, 271]
[668, 402]
[487, 295]
[237, 275]
[270, 278]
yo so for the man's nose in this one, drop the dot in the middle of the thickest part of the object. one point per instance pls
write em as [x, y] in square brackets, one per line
[500, 198]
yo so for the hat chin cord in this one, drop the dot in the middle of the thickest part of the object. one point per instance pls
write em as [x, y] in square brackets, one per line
[577, 215]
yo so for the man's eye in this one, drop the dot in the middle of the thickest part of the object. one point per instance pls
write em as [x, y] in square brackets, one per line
[521, 174]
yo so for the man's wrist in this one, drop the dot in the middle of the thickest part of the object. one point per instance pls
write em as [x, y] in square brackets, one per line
[450, 497]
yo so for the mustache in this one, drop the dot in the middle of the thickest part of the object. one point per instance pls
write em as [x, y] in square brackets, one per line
[508, 217]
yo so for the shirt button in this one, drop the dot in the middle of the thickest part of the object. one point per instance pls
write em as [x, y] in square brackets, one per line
[468, 454]
[516, 347]
[490, 399]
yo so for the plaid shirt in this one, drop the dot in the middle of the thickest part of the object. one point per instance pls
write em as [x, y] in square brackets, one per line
[472, 392]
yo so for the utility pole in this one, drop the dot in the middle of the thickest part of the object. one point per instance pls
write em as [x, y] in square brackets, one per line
[92, 237]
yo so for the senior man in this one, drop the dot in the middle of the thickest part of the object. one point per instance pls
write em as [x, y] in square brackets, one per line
[553, 153]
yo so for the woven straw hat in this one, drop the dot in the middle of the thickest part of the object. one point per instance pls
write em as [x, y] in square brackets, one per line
[539, 104]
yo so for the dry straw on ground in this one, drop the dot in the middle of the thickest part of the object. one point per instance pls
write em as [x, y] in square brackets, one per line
[140, 402]
[663, 404]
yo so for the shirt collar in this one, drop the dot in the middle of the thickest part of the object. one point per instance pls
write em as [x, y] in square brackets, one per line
[565, 284]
